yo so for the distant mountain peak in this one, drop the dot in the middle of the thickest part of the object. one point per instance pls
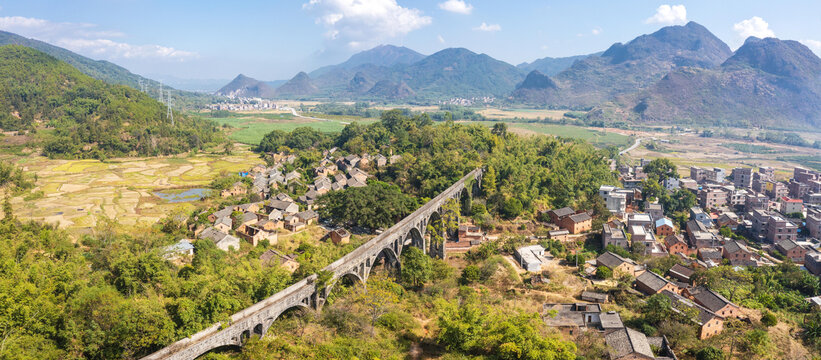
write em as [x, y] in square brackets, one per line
[244, 86]
[536, 80]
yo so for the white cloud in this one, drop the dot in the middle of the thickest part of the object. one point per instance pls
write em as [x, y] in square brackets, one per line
[596, 31]
[456, 6]
[668, 15]
[88, 39]
[814, 45]
[488, 28]
[754, 26]
[112, 49]
[360, 23]
[441, 39]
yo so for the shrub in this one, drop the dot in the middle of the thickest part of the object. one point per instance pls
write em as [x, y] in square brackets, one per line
[603, 272]
[470, 274]
[769, 319]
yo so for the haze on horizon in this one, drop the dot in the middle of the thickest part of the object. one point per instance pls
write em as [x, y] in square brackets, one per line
[269, 41]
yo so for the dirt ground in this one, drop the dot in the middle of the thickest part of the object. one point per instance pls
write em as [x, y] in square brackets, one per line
[692, 150]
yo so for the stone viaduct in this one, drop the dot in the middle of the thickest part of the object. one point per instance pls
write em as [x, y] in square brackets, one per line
[356, 265]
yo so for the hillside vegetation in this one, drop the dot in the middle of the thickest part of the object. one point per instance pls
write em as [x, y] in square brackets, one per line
[106, 71]
[82, 117]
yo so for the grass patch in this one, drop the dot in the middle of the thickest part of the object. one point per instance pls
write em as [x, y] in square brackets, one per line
[806, 160]
[595, 137]
[251, 128]
[750, 148]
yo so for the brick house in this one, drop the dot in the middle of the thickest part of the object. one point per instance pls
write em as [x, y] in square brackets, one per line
[577, 223]
[675, 244]
[736, 252]
[651, 283]
[557, 215]
[618, 264]
[791, 250]
[340, 236]
[713, 301]
[665, 227]
[709, 322]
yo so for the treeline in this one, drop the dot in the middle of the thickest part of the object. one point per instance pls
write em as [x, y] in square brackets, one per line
[76, 116]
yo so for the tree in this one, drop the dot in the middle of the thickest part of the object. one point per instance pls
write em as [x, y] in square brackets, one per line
[657, 309]
[662, 168]
[416, 267]
[378, 205]
[489, 181]
[378, 296]
[499, 129]
[512, 208]
[603, 272]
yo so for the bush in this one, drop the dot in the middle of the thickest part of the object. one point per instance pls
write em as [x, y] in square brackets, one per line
[769, 319]
[603, 272]
[709, 353]
[470, 274]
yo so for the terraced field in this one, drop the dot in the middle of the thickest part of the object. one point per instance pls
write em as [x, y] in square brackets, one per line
[78, 193]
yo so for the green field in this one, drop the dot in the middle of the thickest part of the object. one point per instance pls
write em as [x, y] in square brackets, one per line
[595, 137]
[251, 128]
[750, 148]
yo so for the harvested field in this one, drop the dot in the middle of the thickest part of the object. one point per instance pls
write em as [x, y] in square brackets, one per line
[78, 193]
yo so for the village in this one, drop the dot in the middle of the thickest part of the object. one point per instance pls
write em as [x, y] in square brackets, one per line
[751, 221]
[776, 222]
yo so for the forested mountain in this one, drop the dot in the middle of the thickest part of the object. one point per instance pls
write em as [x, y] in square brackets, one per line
[551, 66]
[243, 86]
[625, 68]
[767, 82]
[82, 117]
[103, 70]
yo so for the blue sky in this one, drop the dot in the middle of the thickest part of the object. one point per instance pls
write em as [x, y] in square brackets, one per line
[275, 39]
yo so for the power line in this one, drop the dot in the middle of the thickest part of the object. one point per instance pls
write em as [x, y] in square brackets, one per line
[170, 104]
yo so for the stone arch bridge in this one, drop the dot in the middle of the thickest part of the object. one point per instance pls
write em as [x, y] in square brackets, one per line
[356, 265]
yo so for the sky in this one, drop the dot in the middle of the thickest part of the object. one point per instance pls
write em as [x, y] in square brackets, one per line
[275, 39]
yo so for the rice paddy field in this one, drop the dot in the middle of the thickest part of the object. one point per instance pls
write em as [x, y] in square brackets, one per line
[76, 194]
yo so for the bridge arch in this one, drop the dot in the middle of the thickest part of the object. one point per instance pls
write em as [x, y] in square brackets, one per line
[414, 238]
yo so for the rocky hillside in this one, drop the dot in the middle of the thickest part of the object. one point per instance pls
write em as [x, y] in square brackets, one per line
[767, 82]
[244, 86]
[625, 68]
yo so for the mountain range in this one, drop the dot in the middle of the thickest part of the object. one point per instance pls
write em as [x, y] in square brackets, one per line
[676, 74]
